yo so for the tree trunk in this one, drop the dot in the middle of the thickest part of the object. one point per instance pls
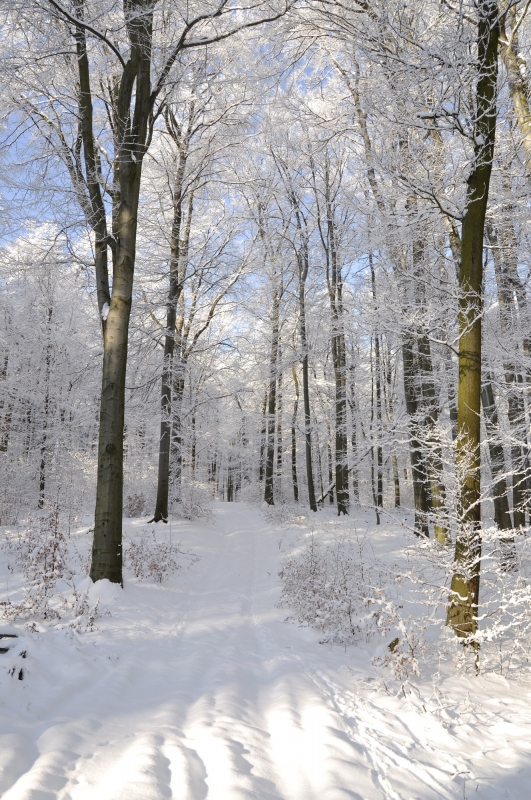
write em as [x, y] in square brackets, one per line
[335, 291]
[6, 427]
[354, 439]
[502, 515]
[294, 437]
[175, 289]
[330, 465]
[464, 598]
[378, 498]
[130, 143]
[396, 480]
[263, 440]
[269, 491]
[176, 283]
[502, 257]
[308, 430]
[46, 409]
[176, 457]
[418, 465]
[320, 464]
[303, 264]
[518, 85]
[378, 409]
[278, 488]
[428, 400]
[107, 546]
[93, 206]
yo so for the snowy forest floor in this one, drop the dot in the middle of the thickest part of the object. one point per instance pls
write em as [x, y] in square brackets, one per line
[197, 687]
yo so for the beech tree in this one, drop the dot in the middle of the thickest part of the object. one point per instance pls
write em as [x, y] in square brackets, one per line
[141, 51]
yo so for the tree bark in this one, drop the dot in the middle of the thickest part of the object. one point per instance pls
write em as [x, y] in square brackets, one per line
[294, 436]
[518, 85]
[502, 257]
[46, 410]
[94, 208]
[464, 598]
[303, 264]
[263, 440]
[418, 466]
[130, 142]
[502, 514]
[176, 283]
[354, 439]
[278, 487]
[269, 490]
[330, 462]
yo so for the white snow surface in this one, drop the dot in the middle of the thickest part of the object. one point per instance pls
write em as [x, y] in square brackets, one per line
[198, 688]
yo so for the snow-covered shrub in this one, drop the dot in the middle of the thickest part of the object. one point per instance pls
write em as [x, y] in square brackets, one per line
[195, 501]
[283, 513]
[82, 611]
[504, 624]
[330, 587]
[135, 505]
[152, 559]
[40, 551]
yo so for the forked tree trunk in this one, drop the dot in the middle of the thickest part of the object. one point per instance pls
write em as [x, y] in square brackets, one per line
[131, 130]
[464, 598]
[131, 108]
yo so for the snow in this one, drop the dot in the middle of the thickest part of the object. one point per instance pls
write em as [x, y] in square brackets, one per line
[105, 311]
[198, 688]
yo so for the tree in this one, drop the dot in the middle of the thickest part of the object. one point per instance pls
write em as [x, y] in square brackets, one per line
[464, 599]
[145, 38]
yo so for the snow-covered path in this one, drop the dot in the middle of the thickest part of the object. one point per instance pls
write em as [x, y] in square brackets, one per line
[200, 691]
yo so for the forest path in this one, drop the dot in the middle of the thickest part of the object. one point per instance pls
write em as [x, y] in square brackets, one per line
[199, 690]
